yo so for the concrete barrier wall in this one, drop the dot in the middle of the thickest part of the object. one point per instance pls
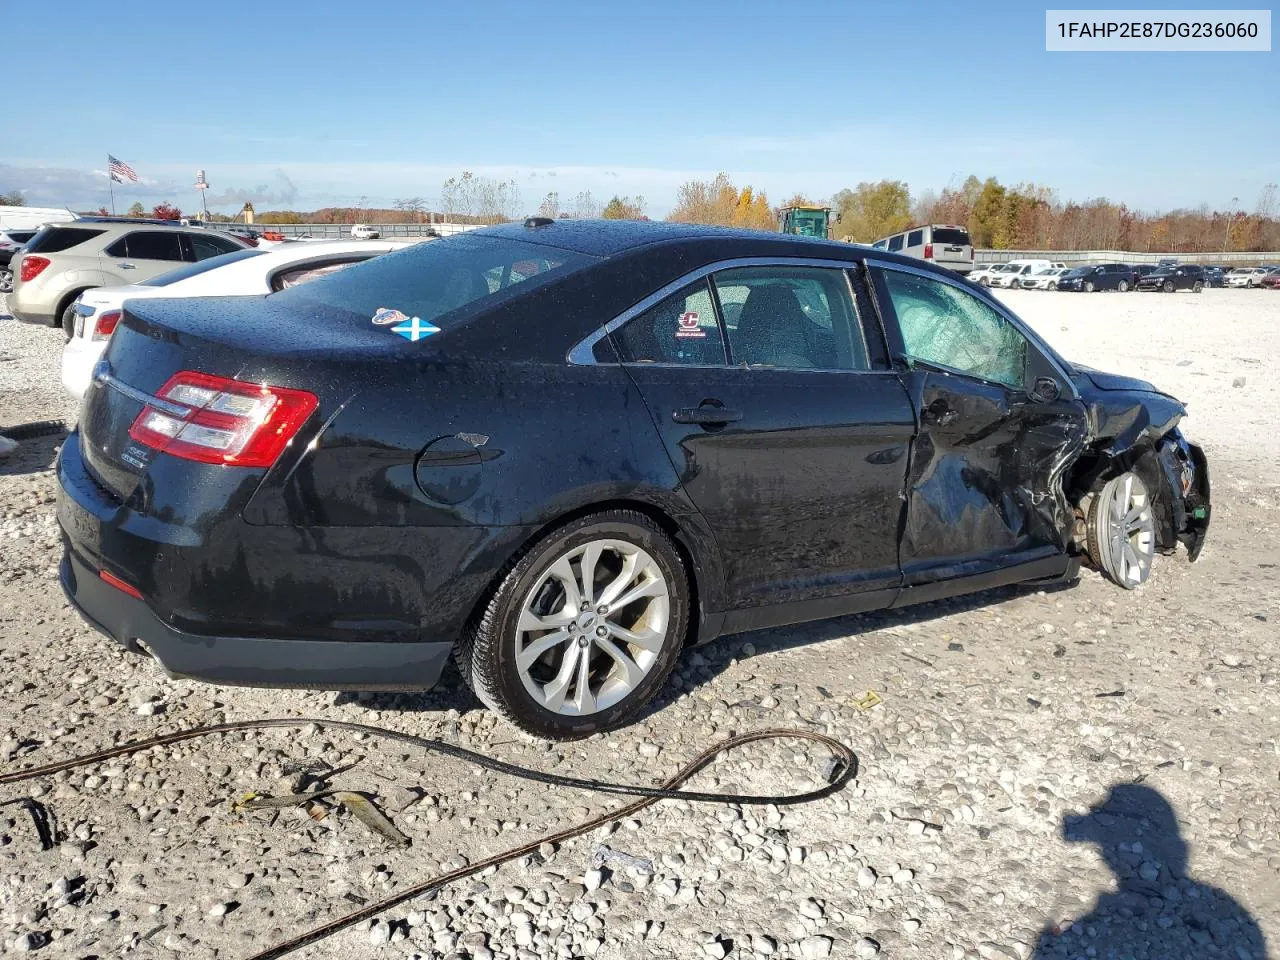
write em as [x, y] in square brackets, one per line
[342, 231]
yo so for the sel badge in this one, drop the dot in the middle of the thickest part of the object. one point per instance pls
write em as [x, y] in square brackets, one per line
[415, 329]
[385, 316]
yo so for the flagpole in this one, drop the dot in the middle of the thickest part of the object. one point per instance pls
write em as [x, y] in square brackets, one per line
[111, 177]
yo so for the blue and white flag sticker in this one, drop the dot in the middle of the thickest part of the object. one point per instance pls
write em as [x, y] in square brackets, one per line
[385, 316]
[415, 329]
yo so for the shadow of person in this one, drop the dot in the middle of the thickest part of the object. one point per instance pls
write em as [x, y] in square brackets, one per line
[1157, 911]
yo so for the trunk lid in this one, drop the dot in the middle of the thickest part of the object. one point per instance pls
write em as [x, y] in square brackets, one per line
[248, 339]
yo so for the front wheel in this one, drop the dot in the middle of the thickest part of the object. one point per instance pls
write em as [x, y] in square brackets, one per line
[1122, 531]
[1168, 286]
[1124, 286]
[1053, 285]
[1088, 286]
[583, 629]
[1197, 287]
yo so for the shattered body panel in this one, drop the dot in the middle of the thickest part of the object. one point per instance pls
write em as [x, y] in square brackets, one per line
[1133, 426]
[985, 487]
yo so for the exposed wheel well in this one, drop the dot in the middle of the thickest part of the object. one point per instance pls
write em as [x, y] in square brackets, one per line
[1096, 466]
[660, 517]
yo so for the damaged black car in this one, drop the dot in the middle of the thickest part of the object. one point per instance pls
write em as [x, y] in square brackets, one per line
[560, 452]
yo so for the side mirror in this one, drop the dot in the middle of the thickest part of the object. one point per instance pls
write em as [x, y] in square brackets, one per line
[1045, 390]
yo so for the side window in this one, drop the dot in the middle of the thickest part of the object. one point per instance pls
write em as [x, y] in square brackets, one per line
[880, 244]
[796, 318]
[895, 243]
[680, 329]
[915, 238]
[947, 327]
[153, 245]
[204, 247]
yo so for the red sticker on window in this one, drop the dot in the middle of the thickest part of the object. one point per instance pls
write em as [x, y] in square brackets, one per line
[689, 326]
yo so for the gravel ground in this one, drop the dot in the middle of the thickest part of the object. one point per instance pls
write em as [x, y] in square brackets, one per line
[1075, 773]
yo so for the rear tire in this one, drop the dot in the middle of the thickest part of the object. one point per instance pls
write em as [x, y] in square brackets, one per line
[6, 280]
[68, 322]
[561, 673]
[1088, 286]
[1124, 286]
[1168, 286]
[1197, 287]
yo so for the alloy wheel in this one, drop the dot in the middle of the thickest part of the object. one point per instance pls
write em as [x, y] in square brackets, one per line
[593, 627]
[1122, 535]
[6, 280]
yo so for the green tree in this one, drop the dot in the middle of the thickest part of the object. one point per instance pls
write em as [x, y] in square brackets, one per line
[873, 210]
[987, 221]
[137, 210]
[624, 208]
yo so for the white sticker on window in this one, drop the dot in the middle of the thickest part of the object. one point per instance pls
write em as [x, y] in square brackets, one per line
[689, 328]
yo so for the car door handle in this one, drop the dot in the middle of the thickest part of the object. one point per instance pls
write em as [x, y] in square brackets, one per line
[939, 413]
[125, 266]
[706, 415]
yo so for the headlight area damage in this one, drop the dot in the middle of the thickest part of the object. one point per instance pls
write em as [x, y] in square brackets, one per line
[1133, 432]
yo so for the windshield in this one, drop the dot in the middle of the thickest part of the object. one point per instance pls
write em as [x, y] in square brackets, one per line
[1077, 271]
[1161, 272]
[950, 235]
[434, 281]
[195, 269]
[809, 223]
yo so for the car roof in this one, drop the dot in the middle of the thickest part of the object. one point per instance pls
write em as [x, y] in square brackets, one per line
[607, 238]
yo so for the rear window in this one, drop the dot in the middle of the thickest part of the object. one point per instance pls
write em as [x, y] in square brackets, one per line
[20, 236]
[56, 239]
[442, 281]
[195, 269]
[950, 235]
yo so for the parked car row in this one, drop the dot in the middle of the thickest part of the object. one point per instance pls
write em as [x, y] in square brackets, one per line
[1167, 276]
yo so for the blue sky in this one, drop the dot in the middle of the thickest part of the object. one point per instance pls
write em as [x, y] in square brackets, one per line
[318, 103]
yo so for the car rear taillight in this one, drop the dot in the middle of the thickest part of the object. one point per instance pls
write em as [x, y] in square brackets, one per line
[928, 251]
[223, 421]
[32, 267]
[112, 580]
[106, 325]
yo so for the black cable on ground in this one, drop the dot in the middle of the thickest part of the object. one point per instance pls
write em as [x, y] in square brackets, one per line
[843, 766]
[38, 428]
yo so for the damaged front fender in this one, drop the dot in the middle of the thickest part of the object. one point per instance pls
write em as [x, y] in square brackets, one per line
[1133, 426]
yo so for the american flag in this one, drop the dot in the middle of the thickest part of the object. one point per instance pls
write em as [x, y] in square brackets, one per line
[119, 171]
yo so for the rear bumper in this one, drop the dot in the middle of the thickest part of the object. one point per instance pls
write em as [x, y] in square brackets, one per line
[249, 661]
[78, 359]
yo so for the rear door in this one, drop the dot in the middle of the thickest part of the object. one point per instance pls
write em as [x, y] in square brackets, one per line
[952, 248]
[998, 422]
[790, 434]
[143, 254]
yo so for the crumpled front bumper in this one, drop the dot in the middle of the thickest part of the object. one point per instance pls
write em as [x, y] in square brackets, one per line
[1185, 482]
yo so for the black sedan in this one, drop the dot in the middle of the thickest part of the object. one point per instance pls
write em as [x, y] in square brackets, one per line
[1099, 276]
[563, 451]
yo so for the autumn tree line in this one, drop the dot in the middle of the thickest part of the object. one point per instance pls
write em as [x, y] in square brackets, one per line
[1020, 216]
[1024, 216]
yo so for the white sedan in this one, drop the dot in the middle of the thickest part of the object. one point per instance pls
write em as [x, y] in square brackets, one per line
[1248, 277]
[238, 274]
[1042, 279]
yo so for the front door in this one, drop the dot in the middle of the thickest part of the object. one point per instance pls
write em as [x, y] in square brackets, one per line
[785, 438]
[998, 426]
